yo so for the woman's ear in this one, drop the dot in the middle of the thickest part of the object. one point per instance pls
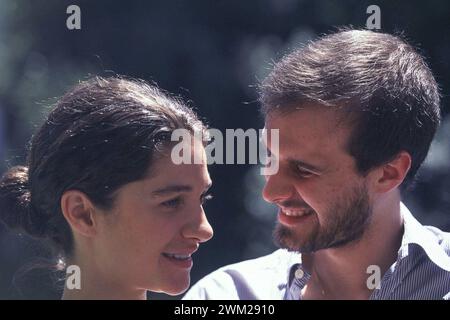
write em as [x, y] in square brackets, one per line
[79, 212]
[391, 174]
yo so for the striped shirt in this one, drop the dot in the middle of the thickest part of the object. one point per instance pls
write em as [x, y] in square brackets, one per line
[421, 271]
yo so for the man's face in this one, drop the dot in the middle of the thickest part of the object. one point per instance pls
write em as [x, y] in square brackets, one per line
[323, 201]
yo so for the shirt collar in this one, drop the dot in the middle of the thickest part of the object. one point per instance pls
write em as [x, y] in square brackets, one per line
[416, 233]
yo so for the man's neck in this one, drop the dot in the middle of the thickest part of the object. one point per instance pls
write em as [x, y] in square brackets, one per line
[341, 273]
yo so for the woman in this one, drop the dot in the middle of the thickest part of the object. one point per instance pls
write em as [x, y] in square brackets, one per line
[101, 187]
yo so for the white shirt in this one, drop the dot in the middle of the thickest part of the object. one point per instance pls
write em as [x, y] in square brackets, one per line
[421, 271]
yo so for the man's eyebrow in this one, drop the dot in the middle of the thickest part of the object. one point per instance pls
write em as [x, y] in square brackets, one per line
[305, 165]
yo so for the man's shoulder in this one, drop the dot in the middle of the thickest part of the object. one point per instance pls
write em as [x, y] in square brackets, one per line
[261, 278]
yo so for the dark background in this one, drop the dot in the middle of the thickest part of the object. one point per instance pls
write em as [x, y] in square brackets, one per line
[212, 53]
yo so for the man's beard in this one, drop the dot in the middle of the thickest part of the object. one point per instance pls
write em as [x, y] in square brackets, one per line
[345, 221]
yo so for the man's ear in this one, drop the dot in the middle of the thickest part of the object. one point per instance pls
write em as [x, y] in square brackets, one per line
[392, 174]
[79, 212]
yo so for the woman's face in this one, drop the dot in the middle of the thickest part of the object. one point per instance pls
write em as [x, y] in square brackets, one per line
[147, 240]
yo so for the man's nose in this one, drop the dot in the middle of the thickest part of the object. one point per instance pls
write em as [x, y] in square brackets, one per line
[277, 188]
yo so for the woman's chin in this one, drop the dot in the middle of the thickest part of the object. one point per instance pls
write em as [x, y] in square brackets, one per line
[174, 286]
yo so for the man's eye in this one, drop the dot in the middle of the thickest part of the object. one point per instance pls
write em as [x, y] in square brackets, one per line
[205, 197]
[172, 203]
[304, 173]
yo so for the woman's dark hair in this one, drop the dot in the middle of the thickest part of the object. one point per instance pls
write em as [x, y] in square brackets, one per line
[102, 134]
[383, 81]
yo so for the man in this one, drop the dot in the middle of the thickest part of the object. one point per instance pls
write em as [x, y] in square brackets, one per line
[357, 111]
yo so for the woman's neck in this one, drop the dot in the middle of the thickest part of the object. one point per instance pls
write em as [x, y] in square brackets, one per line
[88, 282]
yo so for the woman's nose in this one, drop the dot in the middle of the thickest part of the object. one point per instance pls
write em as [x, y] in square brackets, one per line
[199, 228]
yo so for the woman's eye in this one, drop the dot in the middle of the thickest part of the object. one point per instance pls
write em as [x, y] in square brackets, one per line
[173, 203]
[206, 197]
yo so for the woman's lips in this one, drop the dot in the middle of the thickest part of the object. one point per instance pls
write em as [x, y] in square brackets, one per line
[181, 261]
[180, 257]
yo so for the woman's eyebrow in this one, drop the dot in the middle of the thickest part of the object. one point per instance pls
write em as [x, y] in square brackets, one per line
[172, 189]
[176, 188]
